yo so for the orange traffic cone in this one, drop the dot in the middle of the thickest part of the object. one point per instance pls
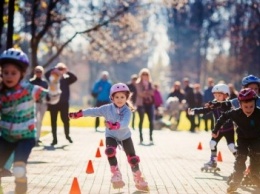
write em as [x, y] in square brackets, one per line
[200, 146]
[219, 157]
[75, 187]
[98, 155]
[90, 169]
[101, 143]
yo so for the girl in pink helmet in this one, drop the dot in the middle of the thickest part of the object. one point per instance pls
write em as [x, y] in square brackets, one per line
[117, 118]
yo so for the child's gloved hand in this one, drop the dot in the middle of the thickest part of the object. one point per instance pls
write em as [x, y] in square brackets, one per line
[190, 111]
[213, 104]
[112, 126]
[76, 115]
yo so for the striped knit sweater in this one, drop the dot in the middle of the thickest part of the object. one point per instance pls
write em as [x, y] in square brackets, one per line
[17, 110]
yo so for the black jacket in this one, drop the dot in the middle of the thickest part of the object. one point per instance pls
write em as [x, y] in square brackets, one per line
[39, 82]
[247, 127]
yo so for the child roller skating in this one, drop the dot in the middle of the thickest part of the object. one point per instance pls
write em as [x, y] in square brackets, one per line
[117, 116]
[248, 137]
[221, 93]
[17, 123]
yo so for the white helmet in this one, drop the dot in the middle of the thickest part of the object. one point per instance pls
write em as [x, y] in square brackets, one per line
[119, 87]
[223, 88]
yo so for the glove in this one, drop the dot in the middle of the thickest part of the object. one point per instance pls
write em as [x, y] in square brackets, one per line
[213, 104]
[112, 126]
[191, 111]
[76, 115]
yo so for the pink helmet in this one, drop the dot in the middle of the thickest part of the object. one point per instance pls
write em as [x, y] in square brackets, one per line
[119, 87]
[247, 94]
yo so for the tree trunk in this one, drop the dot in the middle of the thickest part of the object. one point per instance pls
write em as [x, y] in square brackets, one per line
[1, 22]
[10, 31]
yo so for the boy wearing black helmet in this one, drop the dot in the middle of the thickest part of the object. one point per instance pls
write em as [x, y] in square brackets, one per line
[248, 136]
[17, 124]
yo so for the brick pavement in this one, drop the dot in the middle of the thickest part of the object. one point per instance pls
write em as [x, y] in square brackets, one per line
[171, 166]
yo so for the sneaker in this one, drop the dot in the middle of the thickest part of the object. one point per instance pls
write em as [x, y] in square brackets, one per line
[54, 142]
[21, 187]
[69, 139]
[140, 183]
[116, 178]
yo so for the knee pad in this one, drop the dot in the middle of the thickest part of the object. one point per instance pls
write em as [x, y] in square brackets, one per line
[232, 147]
[133, 160]
[19, 169]
[110, 151]
[212, 144]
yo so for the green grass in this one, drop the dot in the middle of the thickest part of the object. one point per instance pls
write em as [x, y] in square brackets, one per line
[90, 121]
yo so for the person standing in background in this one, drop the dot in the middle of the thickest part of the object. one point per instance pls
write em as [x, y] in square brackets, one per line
[198, 103]
[233, 91]
[173, 110]
[190, 99]
[41, 107]
[101, 91]
[208, 97]
[144, 101]
[132, 88]
[158, 101]
[62, 106]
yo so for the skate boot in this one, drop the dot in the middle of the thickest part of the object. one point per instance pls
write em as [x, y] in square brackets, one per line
[116, 179]
[232, 186]
[210, 166]
[140, 184]
[21, 186]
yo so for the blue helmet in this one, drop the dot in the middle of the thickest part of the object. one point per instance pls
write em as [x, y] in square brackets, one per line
[15, 56]
[250, 79]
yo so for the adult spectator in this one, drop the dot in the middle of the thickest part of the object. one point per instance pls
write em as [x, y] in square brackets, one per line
[190, 99]
[144, 101]
[198, 102]
[101, 91]
[41, 108]
[174, 109]
[208, 97]
[132, 88]
[233, 91]
[62, 106]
